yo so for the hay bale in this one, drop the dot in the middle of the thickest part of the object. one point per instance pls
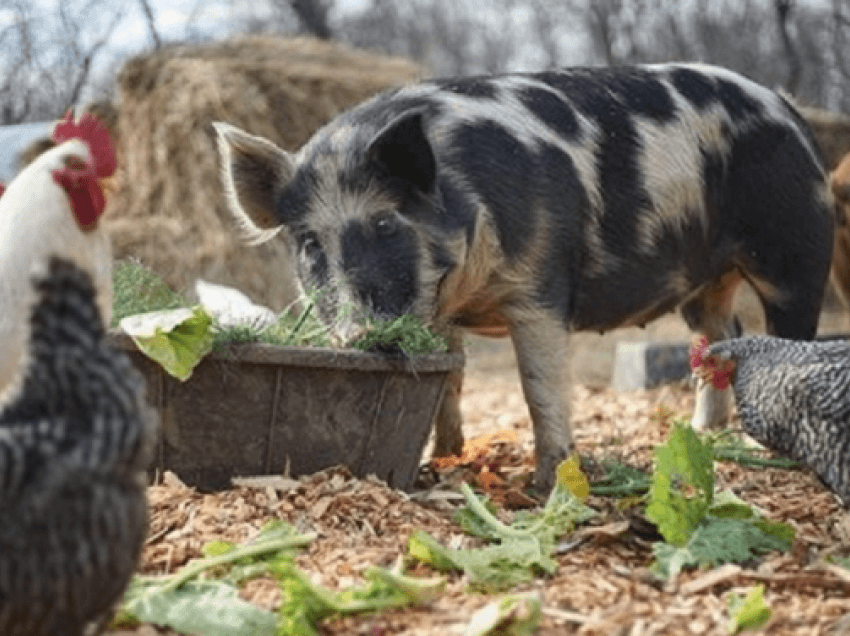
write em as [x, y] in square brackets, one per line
[168, 208]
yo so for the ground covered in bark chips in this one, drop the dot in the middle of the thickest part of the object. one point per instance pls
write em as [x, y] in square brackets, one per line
[602, 586]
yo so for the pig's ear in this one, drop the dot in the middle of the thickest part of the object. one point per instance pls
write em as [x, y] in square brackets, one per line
[254, 170]
[402, 150]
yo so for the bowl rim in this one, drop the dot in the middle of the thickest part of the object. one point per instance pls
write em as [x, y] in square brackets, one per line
[322, 357]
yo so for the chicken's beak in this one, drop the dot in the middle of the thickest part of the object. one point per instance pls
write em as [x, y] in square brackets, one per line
[108, 185]
[704, 373]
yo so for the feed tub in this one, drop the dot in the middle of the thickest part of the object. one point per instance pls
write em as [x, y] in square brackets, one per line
[254, 409]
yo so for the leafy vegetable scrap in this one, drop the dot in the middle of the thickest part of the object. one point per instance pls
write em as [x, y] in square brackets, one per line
[699, 528]
[749, 612]
[211, 606]
[524, 549]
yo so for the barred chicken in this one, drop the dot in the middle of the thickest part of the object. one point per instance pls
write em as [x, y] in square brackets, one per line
[792, 396]
[74, 446]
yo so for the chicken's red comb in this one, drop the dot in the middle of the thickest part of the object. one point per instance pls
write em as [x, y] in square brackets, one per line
[95, 135]
[697, 352]
[2, 189]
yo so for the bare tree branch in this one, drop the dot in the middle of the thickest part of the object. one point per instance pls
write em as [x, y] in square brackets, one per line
[840, 39]
[48, 55]
[795, 67]
[85, 62]
[599, 14]
[151, 22]
[545, 29]
[313, 16]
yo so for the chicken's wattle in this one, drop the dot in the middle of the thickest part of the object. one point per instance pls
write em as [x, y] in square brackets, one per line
[82, 187]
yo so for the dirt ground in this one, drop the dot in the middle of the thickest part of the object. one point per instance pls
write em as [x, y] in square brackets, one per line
[603, 586]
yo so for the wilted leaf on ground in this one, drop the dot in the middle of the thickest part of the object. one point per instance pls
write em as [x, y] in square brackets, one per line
[717, 540]
[211, 608]
[524, 549]
[750, 612]
[305, 603]
[516, 615]
[570, 475]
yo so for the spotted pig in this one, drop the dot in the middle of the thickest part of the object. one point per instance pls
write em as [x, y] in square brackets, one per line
[539, 204]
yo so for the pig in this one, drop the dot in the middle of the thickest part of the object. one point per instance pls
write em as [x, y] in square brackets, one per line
[538, 204]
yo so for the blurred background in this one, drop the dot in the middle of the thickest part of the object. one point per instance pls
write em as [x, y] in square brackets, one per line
[56, 53]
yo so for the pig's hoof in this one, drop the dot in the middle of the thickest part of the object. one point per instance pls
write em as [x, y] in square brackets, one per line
[449, 444]
[544, 475]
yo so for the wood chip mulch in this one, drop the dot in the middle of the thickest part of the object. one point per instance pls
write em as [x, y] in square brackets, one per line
[603, 586]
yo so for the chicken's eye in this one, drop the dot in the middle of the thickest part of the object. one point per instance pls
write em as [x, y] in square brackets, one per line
[74, 162]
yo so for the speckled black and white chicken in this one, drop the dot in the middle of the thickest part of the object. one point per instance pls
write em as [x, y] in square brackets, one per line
[792, 396]
[74, 446]
[75, 434]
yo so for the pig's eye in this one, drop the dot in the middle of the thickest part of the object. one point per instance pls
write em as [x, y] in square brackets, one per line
[386, 225]
[310, 245]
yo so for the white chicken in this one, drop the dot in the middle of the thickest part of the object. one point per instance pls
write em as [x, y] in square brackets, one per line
[76, 434]
[53, 207]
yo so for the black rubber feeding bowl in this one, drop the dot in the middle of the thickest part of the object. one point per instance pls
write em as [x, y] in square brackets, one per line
[257, 409]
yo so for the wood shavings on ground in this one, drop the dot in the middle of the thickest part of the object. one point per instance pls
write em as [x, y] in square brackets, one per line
[602, 587]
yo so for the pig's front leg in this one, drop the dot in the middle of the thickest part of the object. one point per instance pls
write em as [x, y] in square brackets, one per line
[448, 436]
[541, 343]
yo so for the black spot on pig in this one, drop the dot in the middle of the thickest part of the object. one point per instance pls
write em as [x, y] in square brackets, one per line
[477, 87]
[398, 158]
[551, 110]
[621, 182]
[629, 92]
[739, 104]
[642, 94]
[380, 260]
[502, 171]
[568, 209]
[697, 88]
[714, 188]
